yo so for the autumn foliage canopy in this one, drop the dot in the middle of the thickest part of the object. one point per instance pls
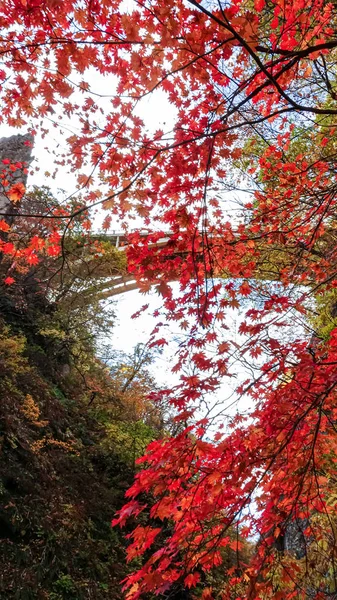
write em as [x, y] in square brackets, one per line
[245, 184]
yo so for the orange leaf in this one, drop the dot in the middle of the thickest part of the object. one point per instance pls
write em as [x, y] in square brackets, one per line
[3, 225]
[16, 192]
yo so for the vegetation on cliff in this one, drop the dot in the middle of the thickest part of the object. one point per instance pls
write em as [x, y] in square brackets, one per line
[71, 428]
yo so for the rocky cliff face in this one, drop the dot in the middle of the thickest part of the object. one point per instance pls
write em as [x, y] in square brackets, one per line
[16, 149]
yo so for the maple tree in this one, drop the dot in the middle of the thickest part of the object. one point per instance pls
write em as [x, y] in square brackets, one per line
[253, 84]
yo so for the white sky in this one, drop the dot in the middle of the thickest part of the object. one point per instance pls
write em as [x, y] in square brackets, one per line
[157, 113]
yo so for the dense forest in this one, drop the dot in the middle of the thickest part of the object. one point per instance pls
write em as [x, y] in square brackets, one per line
[75, 417]
[72, 426]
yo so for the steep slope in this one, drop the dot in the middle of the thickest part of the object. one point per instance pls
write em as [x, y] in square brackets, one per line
[62, 471]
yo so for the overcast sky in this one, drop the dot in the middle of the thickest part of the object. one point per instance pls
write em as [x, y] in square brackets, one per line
[157, 113]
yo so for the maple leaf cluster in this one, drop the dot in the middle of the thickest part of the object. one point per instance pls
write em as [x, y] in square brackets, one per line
[243, 190]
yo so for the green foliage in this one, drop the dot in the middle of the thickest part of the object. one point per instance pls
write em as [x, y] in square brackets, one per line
[71, 428]
[11, 352]
[64, 588]
[128, 440]
[325, 319]
[58, 489]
